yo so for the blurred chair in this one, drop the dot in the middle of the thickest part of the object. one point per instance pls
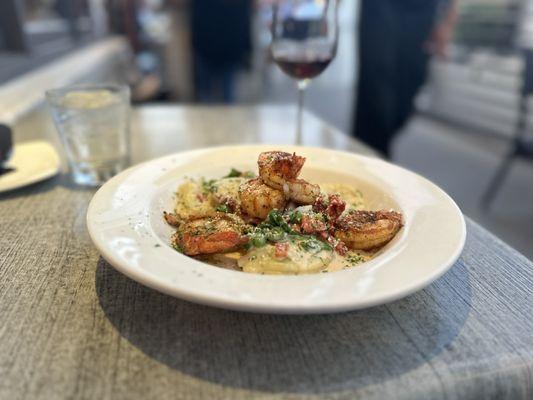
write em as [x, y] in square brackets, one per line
[521, 145]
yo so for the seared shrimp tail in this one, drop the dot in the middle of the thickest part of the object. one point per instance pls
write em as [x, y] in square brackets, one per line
[171, 219]
[277, 167]
[280, 170]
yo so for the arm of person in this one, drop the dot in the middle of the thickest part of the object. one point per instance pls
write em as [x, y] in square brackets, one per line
[442, 32]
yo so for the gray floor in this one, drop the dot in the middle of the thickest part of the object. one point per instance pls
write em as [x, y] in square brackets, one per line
[462, 163]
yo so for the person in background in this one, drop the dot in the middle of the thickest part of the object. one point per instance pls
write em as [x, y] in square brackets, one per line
[396, 40]
[221, 44]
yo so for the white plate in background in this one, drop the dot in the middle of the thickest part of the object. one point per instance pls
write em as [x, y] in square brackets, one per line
[32, 162]
[126, 225]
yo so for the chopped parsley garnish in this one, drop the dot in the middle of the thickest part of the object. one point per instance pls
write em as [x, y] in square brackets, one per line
[176, 247]
[261, 235]
[222, 208]
[275, 229]
[235, 173]
[312, 244]
[354, 259]
[275, 218]
[295, 217]
[209, 186]
[276, 234]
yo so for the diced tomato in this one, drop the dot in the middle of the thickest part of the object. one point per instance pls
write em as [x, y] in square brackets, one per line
[281, 250]
[341, 248]
[321, 204]
[338, 245]
[312, 225]
[296, 228]
[335, 208]
[201, 197]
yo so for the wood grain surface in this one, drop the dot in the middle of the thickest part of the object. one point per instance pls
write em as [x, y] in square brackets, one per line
[71, 327]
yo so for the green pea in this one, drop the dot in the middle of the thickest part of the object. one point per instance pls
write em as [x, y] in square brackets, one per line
[222, 208]
[258, 240]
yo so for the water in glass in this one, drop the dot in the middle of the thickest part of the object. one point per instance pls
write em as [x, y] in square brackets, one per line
[93, 125]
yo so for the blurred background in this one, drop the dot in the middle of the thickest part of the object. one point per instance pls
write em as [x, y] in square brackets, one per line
[467, 129]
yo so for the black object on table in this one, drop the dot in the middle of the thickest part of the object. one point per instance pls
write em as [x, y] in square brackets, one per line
[6, 145]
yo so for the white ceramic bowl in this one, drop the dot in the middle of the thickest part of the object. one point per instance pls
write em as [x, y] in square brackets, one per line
[126, 225]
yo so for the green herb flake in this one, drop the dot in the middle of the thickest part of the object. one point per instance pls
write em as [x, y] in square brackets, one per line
[233, 173]
[222, 208]
[354, 259]
[176, 247]
[209, 186]
[276, 234]
[275, 218]
[312, 244]
[295, 217]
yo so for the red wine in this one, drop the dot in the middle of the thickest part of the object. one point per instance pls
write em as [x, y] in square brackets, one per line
[301, 68]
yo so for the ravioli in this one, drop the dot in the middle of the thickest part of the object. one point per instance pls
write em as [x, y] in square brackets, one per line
[298, 260]
[193, 201]
[227, 191]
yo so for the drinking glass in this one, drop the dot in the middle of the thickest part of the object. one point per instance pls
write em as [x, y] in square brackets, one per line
[304, 41]
[93, 124]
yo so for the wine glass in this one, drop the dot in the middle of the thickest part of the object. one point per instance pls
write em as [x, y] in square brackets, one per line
[304, 41]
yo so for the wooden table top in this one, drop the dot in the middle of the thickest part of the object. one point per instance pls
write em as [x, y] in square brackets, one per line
[71, 327]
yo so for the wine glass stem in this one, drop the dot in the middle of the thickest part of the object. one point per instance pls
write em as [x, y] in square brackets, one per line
[302, 85]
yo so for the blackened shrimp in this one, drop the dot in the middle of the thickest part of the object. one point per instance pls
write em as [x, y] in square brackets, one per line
[210, 235]
[365, 230]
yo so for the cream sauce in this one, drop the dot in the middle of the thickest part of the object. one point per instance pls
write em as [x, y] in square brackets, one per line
[298, 261]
